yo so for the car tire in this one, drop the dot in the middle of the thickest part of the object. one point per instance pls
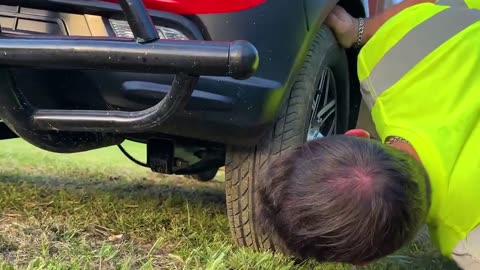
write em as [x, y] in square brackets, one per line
[244, 165]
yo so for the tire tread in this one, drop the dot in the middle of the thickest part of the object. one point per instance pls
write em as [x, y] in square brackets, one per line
[243, 164]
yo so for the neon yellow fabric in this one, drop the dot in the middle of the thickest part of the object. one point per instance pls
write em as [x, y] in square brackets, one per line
[474, 4]
[436, 106]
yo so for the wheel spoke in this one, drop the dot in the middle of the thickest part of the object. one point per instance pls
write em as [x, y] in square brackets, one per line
[326, 111]
[333, 128]
[327, 88]
[315, 105]
[323, 80]
[323, 119]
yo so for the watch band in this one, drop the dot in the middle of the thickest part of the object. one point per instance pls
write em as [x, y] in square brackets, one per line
[395, 139]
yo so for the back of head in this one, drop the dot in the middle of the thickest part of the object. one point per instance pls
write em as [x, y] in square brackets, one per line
[343, 199]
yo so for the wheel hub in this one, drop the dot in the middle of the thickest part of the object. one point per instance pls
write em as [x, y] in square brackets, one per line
[324, 108]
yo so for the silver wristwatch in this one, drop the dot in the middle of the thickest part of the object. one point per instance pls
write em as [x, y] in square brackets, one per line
[395, 139]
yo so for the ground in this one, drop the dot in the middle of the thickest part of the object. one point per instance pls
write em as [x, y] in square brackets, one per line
[97, 210]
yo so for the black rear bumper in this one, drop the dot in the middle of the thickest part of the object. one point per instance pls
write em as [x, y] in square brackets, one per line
[146, 53]
[187, 59]
[221, 109]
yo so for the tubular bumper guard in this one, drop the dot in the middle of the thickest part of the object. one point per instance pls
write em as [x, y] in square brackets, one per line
[186, 59]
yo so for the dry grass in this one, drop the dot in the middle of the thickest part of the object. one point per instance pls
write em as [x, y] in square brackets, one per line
[97, 210]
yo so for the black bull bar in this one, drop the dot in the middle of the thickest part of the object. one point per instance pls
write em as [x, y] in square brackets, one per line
[80, 130]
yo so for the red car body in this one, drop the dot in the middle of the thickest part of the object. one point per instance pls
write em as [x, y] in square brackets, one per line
[187, 7]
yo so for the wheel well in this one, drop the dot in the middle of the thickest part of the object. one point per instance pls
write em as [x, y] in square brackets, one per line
[355, 7]
[357, 10]
[6, 132]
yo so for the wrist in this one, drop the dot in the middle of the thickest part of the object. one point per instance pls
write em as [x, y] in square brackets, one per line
[352, 34]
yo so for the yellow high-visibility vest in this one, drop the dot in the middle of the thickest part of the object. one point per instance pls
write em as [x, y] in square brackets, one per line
[420, 76]
[474, 4]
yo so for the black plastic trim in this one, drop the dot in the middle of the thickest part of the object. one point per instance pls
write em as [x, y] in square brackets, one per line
[149, 93]
[37, 18]
[17, 116]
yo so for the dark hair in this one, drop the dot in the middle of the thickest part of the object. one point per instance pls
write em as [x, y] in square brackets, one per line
[342, 199]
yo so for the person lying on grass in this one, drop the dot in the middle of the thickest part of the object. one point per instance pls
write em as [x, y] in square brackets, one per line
[352, 199]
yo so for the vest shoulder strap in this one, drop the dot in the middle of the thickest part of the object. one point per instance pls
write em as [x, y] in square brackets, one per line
[452, 3]
[413, 47]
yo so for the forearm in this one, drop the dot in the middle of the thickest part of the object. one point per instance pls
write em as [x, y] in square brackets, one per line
[374, 23]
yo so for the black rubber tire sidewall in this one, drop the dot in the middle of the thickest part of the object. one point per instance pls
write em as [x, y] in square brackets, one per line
[244, 165]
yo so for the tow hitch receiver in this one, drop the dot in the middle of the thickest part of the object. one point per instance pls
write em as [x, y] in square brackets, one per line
[146, 53]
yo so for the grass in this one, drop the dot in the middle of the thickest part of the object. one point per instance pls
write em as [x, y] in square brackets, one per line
[98, 210]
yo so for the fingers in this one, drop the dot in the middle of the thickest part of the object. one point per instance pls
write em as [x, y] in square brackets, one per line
[343, 25]
[335, 17]
[331, 20]
[358, 133]
[338, 10]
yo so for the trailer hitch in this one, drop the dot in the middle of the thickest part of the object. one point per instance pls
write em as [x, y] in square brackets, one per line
[187, 59]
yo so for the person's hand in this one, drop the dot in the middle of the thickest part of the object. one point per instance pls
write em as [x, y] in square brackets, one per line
[343, 25]
[358, 132]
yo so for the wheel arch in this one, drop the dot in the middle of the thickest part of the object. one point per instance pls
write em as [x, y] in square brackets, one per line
[357, 9]
[316, 12]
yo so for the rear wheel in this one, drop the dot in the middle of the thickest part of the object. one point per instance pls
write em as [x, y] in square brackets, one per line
[318, 106]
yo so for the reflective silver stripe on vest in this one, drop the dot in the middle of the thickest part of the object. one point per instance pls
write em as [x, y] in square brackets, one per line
[413, 47]
[452, 3]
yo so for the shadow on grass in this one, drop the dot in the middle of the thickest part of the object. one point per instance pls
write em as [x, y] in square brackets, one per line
[211, 193]
[423, 260]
